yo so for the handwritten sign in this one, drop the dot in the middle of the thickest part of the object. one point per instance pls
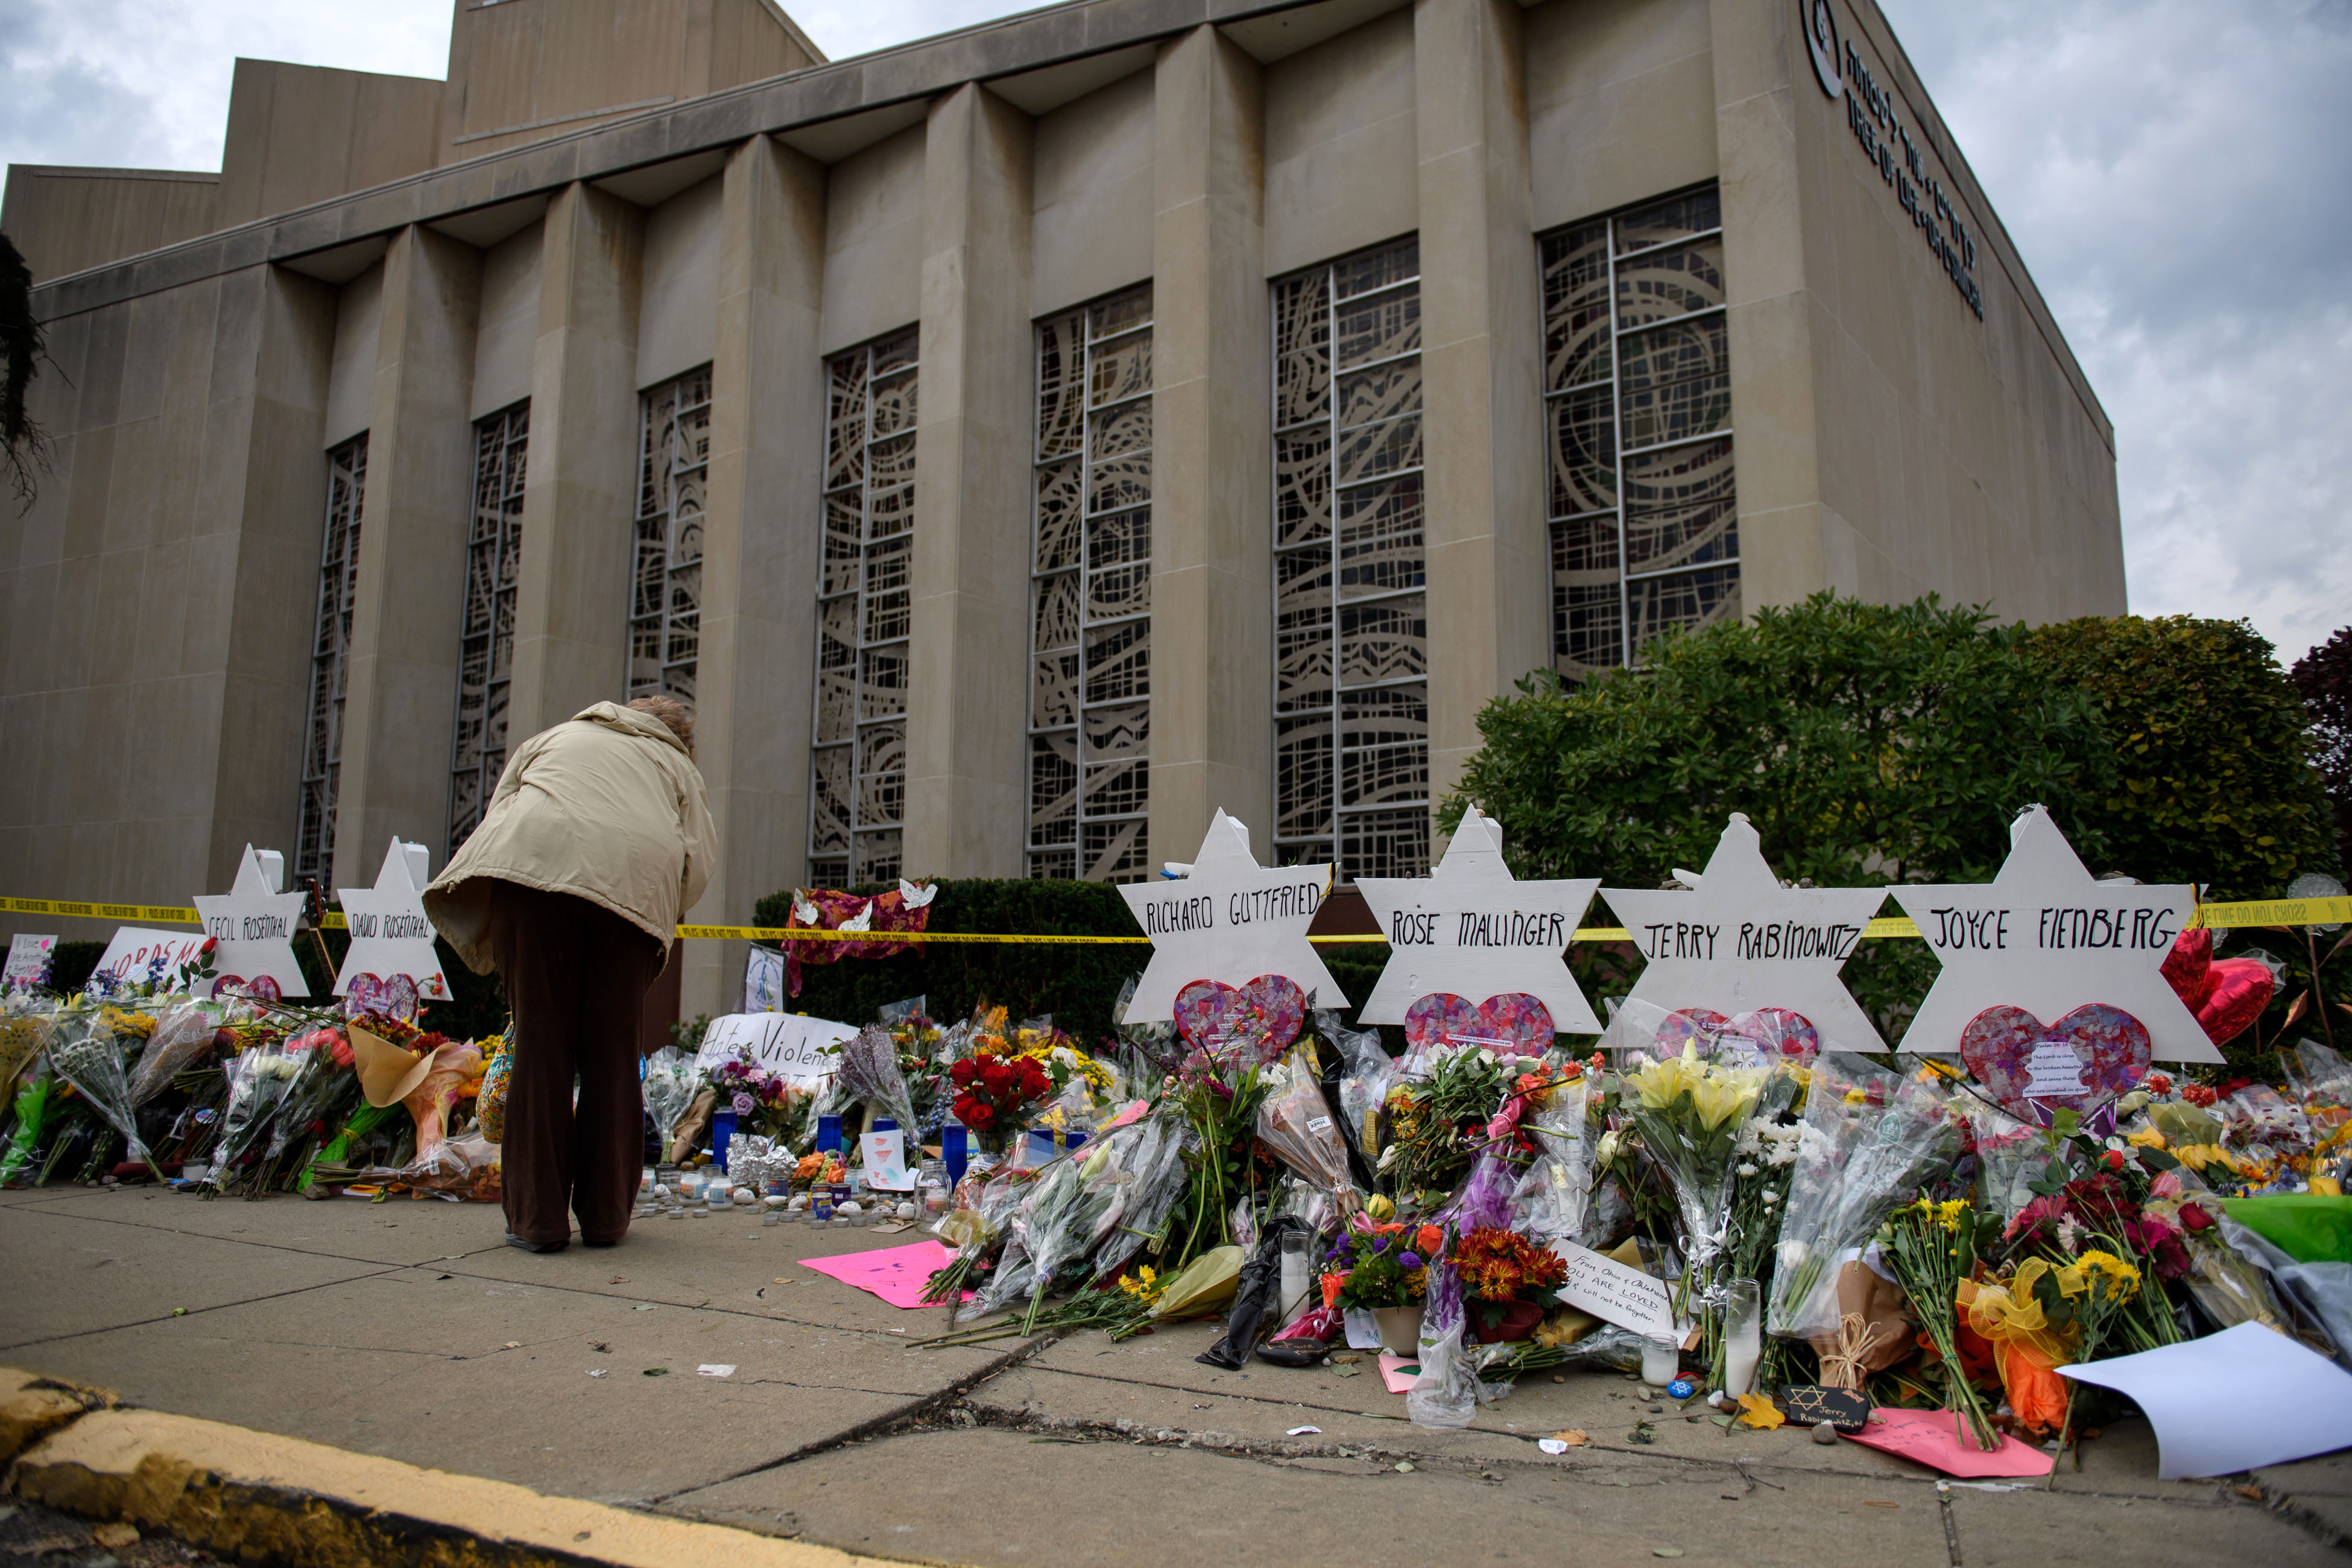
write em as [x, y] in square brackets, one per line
[2053, 1072]
[28, 960]
[253, 925]
[390, 935]
[1228, 920]
[2046, 936]
[1615, 1291]
[1735, 941]
[139, 954]
[1471, 929]
[791, 1047]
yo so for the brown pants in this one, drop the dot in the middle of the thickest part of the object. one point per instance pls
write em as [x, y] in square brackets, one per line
[576, 975]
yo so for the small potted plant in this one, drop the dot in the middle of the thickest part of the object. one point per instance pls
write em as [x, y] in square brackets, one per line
[1384, 1269]
[1508, 1283]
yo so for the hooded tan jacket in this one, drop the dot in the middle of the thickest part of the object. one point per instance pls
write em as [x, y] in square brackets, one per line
[606, 805]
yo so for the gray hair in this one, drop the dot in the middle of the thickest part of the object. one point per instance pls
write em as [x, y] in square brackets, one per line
[674, 713]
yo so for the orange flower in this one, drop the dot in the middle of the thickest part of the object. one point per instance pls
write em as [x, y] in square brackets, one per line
[1429, 1239]
[1332, 1285]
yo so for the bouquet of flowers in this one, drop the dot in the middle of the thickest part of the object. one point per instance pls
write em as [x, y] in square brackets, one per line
[1688, 1113]
[670, 1085]
[869, 1073]
[1438, 1112]
[186, 1031]
[1932, 1248]
[1375, 1266]
[1869, 1139]
[1552, 1201]
[1507, 1282]
[1295, 1122]
[86, 1052]
[771, 1105]
[260, 1080]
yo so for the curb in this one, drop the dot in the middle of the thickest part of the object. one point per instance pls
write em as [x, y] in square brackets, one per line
[260, 1497]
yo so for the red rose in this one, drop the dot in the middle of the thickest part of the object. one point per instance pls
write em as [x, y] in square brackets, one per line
[2199, 1094]
[2159, 1083]
[2194, 1216]
[2115, 1161]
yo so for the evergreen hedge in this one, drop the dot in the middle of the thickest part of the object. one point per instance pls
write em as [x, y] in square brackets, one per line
[1078, 984]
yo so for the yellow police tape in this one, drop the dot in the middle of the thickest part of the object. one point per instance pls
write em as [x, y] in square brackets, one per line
[2252, 912]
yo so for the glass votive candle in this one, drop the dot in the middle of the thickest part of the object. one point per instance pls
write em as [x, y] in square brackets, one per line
[1662, 1357]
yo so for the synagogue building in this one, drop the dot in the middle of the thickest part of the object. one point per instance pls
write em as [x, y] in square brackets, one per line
[1015, 446]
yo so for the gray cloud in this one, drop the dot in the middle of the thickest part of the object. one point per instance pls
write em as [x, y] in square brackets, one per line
[2175, 176]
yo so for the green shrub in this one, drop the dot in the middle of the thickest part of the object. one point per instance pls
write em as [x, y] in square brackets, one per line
[2213, 781]
[1078, 983]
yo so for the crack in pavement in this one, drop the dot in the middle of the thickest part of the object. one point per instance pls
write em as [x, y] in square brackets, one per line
[1008, 1416]
[886, 1424]
[183, 1314]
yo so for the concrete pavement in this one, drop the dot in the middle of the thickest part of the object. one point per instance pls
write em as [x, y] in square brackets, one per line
[407, 1329]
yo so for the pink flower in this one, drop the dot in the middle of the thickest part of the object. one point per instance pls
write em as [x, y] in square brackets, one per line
[2167, 1185]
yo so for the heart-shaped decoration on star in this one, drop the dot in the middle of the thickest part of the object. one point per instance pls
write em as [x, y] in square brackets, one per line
[2000, 1044]
[1514, 1024]
[261, 987]
[376, 996]
[1774, 1033]
[1252, 1021]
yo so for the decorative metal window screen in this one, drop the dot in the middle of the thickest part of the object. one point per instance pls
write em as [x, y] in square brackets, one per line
[1637, 403]
[666, 593]
[857, 792]
[1090, 600]
[338, 565]
[1351, 610]
[486, 642]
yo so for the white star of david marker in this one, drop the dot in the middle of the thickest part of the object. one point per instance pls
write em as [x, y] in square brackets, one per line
[1232, 920]
[1739, 941]
[2047, 936]
[1472, 930]
[252, 927]
[390, 933]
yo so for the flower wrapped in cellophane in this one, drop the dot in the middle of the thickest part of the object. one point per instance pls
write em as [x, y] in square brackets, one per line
[869, 1073]
[86, 1052]
[1870, 1139]
[1688, 1112]
[671, 1085]
[1295, 1122]
[260, 1078]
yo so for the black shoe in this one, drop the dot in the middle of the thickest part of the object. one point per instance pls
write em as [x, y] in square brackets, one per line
[527, 1245]
[610, 1241]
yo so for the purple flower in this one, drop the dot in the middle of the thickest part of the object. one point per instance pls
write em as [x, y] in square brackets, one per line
[744, 1104]
[1409, 1260]
[1379, 1245]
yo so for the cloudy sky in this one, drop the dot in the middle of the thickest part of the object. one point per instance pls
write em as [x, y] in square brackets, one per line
[2177, 174]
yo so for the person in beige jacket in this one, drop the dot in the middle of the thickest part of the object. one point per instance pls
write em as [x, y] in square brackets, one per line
[598, 838]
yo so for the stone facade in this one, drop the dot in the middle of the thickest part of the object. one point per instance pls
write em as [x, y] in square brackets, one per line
[647, 233]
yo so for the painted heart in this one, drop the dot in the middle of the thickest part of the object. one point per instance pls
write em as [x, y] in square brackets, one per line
[1252, 1021]
[377, 996]
[1514, 1023]
[2000, 1044]
[260, 986]
[1775, 1033]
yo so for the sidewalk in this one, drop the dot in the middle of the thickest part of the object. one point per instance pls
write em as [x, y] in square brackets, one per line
[407, 1329]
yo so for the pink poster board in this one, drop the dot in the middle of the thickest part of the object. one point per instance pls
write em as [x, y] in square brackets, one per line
[1398, 1373]
[1929, 1438]
[897, 1274]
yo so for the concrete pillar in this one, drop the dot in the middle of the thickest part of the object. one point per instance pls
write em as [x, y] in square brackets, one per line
[580, 494]
[760, 530]
[967, 798]
[1488, 553]
[1789, 543]
[409, 603]
[263, 486]
[1212, 586]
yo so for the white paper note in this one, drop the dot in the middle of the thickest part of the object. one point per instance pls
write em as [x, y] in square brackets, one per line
[2246, 1396]
[2054, 1071]
[1610, 1289]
